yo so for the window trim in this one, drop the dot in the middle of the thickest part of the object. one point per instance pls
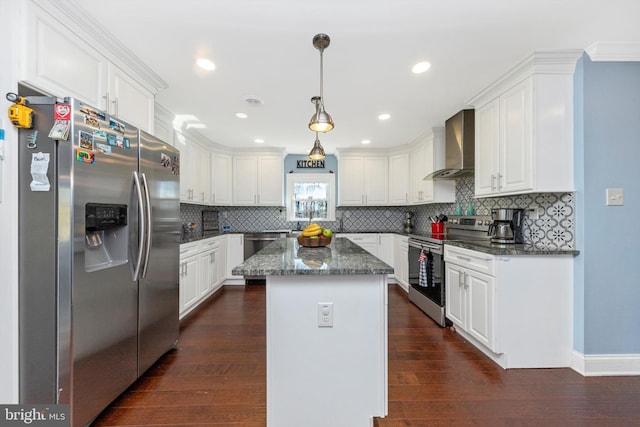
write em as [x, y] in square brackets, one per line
[328, 178]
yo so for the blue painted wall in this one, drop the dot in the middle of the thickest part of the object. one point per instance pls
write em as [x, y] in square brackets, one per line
[607, 155]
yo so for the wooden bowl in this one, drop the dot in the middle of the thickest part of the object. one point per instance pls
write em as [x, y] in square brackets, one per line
[308, 242]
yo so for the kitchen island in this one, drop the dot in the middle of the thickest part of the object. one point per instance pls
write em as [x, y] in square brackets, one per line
[326, 333]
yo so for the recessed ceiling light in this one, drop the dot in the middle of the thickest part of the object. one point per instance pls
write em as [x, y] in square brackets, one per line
[241, 115]
[206, 64]
[384, 116]
[421, 67]
[258, 141]
[366, 141]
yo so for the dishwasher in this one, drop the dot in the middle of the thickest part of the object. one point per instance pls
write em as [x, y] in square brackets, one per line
[254, 242]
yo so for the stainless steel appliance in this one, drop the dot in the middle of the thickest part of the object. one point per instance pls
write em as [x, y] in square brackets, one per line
[459, 148]
[427, 266]
[506, 227]
[99, 231]
[210, 224]
[254, 242]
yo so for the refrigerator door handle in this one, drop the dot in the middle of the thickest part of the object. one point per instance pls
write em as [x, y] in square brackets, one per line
[147, 223]
[142, 235]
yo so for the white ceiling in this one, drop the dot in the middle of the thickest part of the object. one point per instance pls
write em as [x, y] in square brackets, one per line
[262, 48]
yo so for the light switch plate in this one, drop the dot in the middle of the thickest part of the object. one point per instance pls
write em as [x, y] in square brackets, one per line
[615, 197]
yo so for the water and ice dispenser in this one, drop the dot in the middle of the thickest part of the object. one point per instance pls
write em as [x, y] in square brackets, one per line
[106, 236]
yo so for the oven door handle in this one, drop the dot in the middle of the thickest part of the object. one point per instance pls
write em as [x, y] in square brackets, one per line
[434, 249]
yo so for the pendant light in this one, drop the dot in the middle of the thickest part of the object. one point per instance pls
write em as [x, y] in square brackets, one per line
[317, 152]
[321, 120]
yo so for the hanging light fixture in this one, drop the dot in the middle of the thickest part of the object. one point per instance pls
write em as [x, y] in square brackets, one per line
[317, 152]
[321, 120]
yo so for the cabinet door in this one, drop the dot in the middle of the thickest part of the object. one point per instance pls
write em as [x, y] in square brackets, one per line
[163, 131]
[235, 253]
[129, 100]
[487, 133]
[399, 187]
[428, 158]
[386, 248]
[418, 172]
[189, 278]
[455, 292]
[245, 172]
[204, 176]
[221, 262]
[516, 155]
[208, 274]
[221, 179]
[270, 181]
[480, 323]
[351, 181]
[61, 63]
[376, 180]
[400, 259]
[188, 168]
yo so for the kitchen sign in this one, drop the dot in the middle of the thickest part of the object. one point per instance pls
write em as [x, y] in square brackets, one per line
[310, 164]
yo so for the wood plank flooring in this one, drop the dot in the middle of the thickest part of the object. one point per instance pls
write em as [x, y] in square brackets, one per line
[216, 377]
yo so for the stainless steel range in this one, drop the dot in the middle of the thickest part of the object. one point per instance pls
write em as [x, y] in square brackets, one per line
[426, 262]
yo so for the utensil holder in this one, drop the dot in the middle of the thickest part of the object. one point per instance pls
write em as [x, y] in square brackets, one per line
[437, 227]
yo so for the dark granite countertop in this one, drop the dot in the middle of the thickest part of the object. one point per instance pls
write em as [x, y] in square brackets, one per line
[285, 257]
[511, 250]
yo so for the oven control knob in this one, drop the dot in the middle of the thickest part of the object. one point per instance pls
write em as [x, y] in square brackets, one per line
[487, 222]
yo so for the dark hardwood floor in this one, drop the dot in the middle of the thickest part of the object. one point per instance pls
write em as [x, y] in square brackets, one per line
[216, 377]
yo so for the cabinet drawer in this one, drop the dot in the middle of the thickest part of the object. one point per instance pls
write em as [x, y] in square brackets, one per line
[477, 261]
[210, 243]
[361, 238]
[189, 249]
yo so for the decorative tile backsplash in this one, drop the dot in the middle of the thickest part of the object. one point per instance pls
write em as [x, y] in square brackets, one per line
[555, 227]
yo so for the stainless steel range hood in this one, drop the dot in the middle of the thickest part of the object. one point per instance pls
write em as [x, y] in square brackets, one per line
[459, 147]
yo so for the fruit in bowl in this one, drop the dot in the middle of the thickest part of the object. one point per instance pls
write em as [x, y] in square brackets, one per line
[315, 236]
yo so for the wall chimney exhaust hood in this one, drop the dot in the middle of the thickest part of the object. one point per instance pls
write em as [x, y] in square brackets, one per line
[459, 147]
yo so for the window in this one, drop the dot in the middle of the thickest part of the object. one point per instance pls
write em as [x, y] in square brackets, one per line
[311, 196]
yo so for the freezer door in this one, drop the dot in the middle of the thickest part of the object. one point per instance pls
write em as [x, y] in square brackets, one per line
[96, 167]
[159, 284]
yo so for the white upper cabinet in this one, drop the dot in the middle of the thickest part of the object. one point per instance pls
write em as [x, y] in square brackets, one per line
[195, 167]
[363, 180]
[258, 180]
[524, 128]
[62, 55]
[427, 156]
[129, 100]
[399, 177]
[221, 179]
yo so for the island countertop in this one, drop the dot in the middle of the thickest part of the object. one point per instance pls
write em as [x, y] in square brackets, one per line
[286, 257]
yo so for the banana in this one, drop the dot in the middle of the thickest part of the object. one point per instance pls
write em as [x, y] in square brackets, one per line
[312, 230]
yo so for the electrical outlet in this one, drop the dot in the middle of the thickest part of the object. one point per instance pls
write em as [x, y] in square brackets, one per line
[534, 213]
[325, 315]
[615, 197]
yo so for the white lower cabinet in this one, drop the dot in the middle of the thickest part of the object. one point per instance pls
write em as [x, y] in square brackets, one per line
[470, 302]
[235, 256]
[517, 309]
[367, 241]
[401, 260]
[202, 270]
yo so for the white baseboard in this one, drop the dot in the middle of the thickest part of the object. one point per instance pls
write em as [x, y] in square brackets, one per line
[594, 365]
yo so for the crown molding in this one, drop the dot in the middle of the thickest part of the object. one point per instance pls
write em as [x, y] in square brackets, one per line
[614, 51]
[539, 62]
[71, 12]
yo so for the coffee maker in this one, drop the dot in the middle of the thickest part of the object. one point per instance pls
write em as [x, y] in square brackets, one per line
[507, 226]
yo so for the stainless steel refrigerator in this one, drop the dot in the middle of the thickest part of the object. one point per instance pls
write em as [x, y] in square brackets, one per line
[99, 248]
